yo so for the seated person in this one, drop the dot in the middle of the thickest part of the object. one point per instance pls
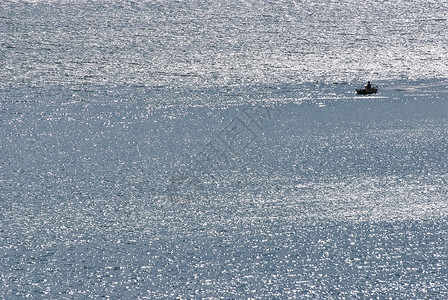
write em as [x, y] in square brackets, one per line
[368, 86]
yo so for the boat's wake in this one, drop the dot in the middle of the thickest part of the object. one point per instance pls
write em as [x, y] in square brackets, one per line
[434, 86]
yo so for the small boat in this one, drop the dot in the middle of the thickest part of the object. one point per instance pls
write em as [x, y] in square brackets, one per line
[366, 91]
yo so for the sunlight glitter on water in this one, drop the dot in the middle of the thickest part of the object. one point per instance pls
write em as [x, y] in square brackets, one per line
[226, 43]
[172, 149]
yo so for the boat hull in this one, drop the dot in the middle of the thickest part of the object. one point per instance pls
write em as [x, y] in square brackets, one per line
[366, 91]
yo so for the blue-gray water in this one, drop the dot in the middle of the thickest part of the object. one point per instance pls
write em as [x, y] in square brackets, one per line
[188, 149]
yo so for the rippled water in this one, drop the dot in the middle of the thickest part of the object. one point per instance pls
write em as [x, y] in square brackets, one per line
[179, 43]
[186, 149]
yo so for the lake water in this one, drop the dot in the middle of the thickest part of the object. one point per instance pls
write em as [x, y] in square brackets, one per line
[188, 149]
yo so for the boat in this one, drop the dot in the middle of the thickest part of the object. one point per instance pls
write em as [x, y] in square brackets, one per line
[366, 91]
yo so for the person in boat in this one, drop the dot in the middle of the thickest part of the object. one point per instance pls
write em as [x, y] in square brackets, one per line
[368, 85]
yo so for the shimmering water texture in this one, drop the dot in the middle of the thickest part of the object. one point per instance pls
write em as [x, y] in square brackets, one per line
[231, 142]
[172, 43]
[197, 150]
